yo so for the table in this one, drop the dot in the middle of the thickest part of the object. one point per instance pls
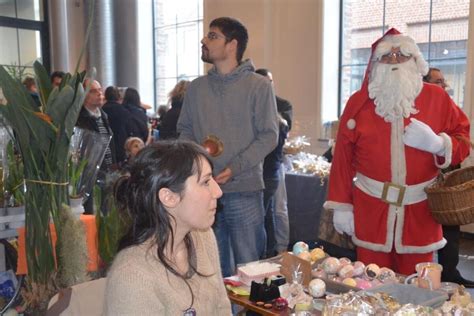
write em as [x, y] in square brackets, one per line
[306, 196]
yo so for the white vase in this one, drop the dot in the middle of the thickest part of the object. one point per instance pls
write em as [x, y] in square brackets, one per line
[76, 206]
[19, 212]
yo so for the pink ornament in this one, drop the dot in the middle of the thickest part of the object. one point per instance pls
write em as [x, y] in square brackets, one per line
[359, 267]
[363, 284]
[346, 271]
[319, 273]
[345, 261]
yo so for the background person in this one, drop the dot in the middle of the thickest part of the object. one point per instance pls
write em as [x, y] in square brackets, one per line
[93, 118]
[237, 106]
[132, 146]
[276, 223]
[169, 119]
[137, 124]
[118, 117]
[168, 263]
[448, 256]
[56, 78]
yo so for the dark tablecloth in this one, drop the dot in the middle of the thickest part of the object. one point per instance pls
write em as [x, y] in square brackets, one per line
[306, 196]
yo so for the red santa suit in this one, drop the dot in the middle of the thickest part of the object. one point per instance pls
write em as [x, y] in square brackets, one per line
[374, 172]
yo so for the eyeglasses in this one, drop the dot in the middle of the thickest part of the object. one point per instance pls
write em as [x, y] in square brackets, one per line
[440, 82]
[399, 56]
[213, 36]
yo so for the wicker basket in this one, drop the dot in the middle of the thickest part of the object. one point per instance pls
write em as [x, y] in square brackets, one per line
[451, 197]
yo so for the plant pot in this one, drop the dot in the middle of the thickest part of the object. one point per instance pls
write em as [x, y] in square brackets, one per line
[19, 211]
[76, 206]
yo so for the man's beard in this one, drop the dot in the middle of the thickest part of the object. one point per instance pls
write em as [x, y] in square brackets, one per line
[394, 88]
[205, 55]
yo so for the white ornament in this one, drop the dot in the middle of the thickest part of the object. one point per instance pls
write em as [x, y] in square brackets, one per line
[351, 124]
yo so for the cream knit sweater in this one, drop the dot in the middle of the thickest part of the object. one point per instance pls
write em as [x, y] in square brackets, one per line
[138, 284]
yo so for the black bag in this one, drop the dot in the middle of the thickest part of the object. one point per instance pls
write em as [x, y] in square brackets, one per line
[263, 292]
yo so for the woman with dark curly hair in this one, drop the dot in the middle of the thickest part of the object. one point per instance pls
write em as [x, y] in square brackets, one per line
[168, 263]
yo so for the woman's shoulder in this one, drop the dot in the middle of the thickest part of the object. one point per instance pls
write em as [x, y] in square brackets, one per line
[138, 258]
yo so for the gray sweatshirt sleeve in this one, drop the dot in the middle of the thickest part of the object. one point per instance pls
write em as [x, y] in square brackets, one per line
[184, 126]
[266, 127]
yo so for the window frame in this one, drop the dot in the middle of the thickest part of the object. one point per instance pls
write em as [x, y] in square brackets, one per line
[32, 25]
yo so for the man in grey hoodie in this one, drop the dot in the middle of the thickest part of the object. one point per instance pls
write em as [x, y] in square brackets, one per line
[232, 112]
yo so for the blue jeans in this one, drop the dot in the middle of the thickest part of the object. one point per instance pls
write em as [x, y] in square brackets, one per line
[239, 229]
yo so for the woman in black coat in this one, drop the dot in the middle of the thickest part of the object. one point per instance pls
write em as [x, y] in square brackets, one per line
[170, 119]
[137, 124]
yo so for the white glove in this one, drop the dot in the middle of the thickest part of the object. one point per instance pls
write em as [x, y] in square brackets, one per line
[343, 222]
[420, 136]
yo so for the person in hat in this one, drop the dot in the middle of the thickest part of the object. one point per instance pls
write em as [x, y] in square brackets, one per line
[395, 135]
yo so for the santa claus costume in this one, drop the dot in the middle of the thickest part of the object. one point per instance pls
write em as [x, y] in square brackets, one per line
[382, 160]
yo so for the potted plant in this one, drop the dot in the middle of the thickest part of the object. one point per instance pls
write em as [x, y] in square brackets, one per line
[14, 187]
[75, 170]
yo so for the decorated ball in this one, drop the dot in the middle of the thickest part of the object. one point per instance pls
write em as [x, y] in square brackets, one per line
[359, 267]
[387, 275]
[363, 284]
[350, 282]
[346, 271]
[371, 271]
[300, 247]
[317, 254]
[304, 255]
[317, 288]
[319, 273]
[345, 261]
[331, 265]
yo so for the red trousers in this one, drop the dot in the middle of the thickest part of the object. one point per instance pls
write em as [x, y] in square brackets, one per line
[400, 263]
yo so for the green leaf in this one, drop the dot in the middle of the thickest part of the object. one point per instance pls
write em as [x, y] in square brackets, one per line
[59, 107]
[73, 113]
[44, 83]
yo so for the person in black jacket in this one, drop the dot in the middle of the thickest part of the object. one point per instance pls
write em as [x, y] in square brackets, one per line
[118, 117]
[93, 118]
[276, 225]
[137, 125]
[170, 118]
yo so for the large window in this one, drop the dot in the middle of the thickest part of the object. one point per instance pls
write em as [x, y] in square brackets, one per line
[177, 33]
[23, 36]
[439, 27]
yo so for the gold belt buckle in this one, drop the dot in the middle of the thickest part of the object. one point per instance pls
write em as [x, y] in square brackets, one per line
[401, 193]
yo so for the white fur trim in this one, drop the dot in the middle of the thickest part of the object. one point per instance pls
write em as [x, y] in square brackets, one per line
[448, 152]
[351, 124]
[421, 249]
[332, 205]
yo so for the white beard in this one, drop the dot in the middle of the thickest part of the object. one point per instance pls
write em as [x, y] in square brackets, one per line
[394, 88]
